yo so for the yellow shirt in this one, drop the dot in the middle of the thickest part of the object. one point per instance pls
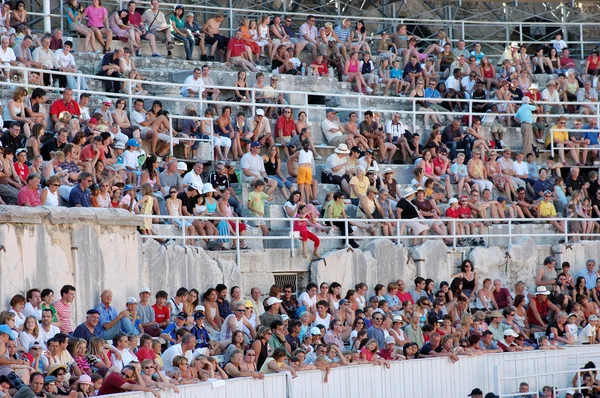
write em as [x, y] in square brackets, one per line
[547, 209]
[361, 186]
[559, 135]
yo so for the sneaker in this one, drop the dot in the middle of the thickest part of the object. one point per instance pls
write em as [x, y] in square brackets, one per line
[211, 58]
[203, 57]
[170, 46]
[537, 152]
[541, 141]
[502, 144]
[481, 242]
[369, 90]
[318, 157]
[138, 53]
[156, 55]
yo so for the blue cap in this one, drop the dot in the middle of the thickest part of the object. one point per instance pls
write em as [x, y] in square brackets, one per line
[49, 379]
[128, 187]
[6, 330]
[133, 142]
[255, 144]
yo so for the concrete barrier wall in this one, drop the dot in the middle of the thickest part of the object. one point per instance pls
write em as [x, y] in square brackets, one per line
[417, 378]
[96, 249]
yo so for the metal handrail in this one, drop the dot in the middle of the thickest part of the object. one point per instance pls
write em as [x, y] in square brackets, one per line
[306, 106]
[399, 226]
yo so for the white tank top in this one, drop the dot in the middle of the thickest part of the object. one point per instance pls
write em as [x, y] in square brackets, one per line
[322, 321]
[52, 198]
[226, 331]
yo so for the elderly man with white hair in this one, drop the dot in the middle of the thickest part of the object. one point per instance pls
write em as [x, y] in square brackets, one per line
[7, 55]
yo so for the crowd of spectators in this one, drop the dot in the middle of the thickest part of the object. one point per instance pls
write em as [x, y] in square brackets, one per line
[84, 157]
[192, 337]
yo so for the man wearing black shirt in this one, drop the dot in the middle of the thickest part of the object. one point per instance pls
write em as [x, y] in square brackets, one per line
[289, 302]
[111, 66]
[56, 143]
[405, 210]
[219, 179]
[574, 182]
[13, 138]
[412, 71]
[454, 137]
[517, 94]
[292, 338]
[479, 94]
[368, 129]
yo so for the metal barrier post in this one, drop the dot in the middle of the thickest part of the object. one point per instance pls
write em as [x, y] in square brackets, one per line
[171, 132]
[183, 230]
[509, 232]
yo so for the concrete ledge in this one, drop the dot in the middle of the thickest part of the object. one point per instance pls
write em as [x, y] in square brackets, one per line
[68, 215]
[22, 215]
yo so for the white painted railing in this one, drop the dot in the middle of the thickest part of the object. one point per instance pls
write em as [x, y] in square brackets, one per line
[400, 230]
[414, 378]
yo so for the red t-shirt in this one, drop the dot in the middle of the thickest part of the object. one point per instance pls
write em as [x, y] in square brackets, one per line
[87, 153]
[22, 170]
[27, 196]
[437, 162]
[112, 384]
[144, 353]
[287, 126]
[452, 213]
[59, 106]
[405, 296]
[161, 314]
[385, 354]
[236, 47]
[320, 68]
[465, 211]
[135, 19]
[593, 65]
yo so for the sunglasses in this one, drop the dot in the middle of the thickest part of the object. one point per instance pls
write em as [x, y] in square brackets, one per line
[240, 310]
[172, 192]
[251, 355]
[377, 319]
[148, 367]
[56, 185]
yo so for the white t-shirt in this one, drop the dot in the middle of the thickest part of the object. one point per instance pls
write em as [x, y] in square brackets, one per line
[395, 130]
[452, 82]
[305, 297]
[334, 160]
[45, 336]
[327, 125]
[585, 334]
[546, 96]
[190, 178]
[521, 168]
[63, 60]
[126, 357]
[192, 84]
[136, 118]
[7, 56]
[171, 353]
[130, 159]
[254, 164]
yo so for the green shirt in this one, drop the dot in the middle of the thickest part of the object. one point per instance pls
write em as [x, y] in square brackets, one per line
[257, 199]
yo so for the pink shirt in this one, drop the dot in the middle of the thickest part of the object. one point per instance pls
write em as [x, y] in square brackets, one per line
[63, 311]
[95, 16]
[29, 197]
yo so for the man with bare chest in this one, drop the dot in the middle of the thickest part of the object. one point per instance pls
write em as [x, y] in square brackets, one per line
[213, 36]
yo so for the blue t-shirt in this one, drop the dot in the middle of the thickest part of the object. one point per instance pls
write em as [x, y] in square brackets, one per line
[592, 135]
[525, 113]
[79, 197]
[202, 337]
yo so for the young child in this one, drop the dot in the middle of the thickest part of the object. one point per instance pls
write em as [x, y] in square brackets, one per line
[396, 73]
[558, 43]
[256, 205]
[588, 211]
[419, 180]
[460, 175]
[130, 160]
[84, 386]
[455, 228]
[301, 226]
[465, 213]
[319, 67]
[96, 382]
[144, 206]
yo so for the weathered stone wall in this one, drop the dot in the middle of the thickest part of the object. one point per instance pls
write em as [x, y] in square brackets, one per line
[95, 249]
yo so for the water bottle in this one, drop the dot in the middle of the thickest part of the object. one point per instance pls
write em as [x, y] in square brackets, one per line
[303, 70]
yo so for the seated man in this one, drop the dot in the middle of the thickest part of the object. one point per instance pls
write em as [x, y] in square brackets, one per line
[261, 128]
[547, 210]
[334, 131]
[110, 322]
[236, 48]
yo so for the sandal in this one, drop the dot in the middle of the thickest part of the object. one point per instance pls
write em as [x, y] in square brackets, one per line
[244, 248]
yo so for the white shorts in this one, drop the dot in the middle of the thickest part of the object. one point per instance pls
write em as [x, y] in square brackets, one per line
[221, 141]
[416, 227]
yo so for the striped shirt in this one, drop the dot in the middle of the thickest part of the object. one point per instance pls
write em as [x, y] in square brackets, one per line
[342, 34]
[64, 314]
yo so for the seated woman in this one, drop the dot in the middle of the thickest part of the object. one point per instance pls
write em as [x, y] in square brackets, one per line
[234, 367]
[119, 24]
[276, 363]
[74, 24]
[98, 23]
[226, 211]
[352, 74]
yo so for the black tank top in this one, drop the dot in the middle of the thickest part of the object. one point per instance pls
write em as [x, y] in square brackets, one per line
[262, 356]
[271, 167]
